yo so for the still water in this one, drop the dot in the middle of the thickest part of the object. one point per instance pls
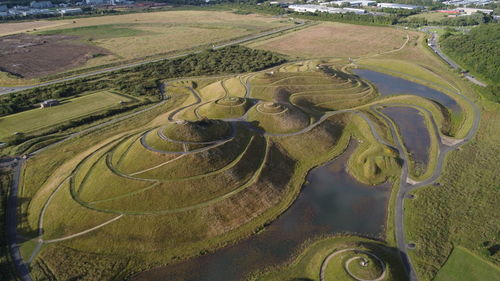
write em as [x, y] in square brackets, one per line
[388, 85]
[411, 125]
[332, 202]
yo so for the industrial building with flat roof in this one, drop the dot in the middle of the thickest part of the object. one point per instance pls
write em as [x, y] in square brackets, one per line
[353, 3]
[398, 6]
[318, 8]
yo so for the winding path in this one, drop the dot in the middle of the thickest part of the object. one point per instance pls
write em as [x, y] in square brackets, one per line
[404, 188]
[326, 261]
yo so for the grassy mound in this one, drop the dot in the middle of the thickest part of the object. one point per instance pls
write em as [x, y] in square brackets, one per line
[364, 266]
[197, 131]
[277, 118]
[336, 257]
[224, 108]
[324, 89]
[156, 192]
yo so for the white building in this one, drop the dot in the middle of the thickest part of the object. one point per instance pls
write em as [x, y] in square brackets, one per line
[319, 8]
[70, 11]
[97, 2]
[49, 103]
[468, 2]
[41, 4]
[352, 3]
[470, 11]
[398, 6]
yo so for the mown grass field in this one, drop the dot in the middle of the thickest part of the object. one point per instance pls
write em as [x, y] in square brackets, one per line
[336, 40]
[430, 16]
[463, 265]
[40, 118]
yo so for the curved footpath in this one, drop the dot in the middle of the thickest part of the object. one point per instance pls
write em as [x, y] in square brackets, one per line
[12, 202]
[326, 261]
[404, 188]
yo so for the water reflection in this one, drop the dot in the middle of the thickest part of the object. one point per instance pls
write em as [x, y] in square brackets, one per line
[389, 85]
[332, 202]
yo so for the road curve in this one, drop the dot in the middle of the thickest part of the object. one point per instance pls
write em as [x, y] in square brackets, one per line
[11, 223]
[434, 45]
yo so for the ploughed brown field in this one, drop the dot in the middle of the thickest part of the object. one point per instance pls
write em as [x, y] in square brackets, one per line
[30, 56]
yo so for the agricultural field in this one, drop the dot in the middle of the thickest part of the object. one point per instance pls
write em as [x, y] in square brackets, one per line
[337, 40]
[69, 109]
[28, 56]
[92, 42]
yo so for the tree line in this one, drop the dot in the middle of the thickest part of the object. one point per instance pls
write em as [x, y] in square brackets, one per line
[478, 50]
[474, 19]
[145, 80]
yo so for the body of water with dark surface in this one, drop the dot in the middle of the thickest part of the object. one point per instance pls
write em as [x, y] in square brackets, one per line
[411, 125]
[332, 202]
[388, 85]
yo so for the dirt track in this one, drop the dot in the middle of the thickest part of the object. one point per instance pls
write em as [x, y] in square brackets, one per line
[32, 56]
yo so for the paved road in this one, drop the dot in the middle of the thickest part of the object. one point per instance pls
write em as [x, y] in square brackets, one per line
[11, 223]
[12, 204]
[405, 188]
[9, 90]
[399, 206]
[434, 44]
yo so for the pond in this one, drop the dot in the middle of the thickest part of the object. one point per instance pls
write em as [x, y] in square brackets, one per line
[332, 202]
[388, 85]
[416, 139]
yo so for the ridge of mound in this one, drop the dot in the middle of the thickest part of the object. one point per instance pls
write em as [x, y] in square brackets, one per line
[225, 108]
[206, 130]
[276, 118]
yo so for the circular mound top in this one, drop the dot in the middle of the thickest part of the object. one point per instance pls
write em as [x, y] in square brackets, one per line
[230, 101]
[205, 130]
[225, 108]
[271, 108]
[364, 267]
[277, 118]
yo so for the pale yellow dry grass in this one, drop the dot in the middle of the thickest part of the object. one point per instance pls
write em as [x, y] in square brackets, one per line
[17, 27]
[336, 40]
[176, 17]
[166, 39]
[170, 31]
[162, 32]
